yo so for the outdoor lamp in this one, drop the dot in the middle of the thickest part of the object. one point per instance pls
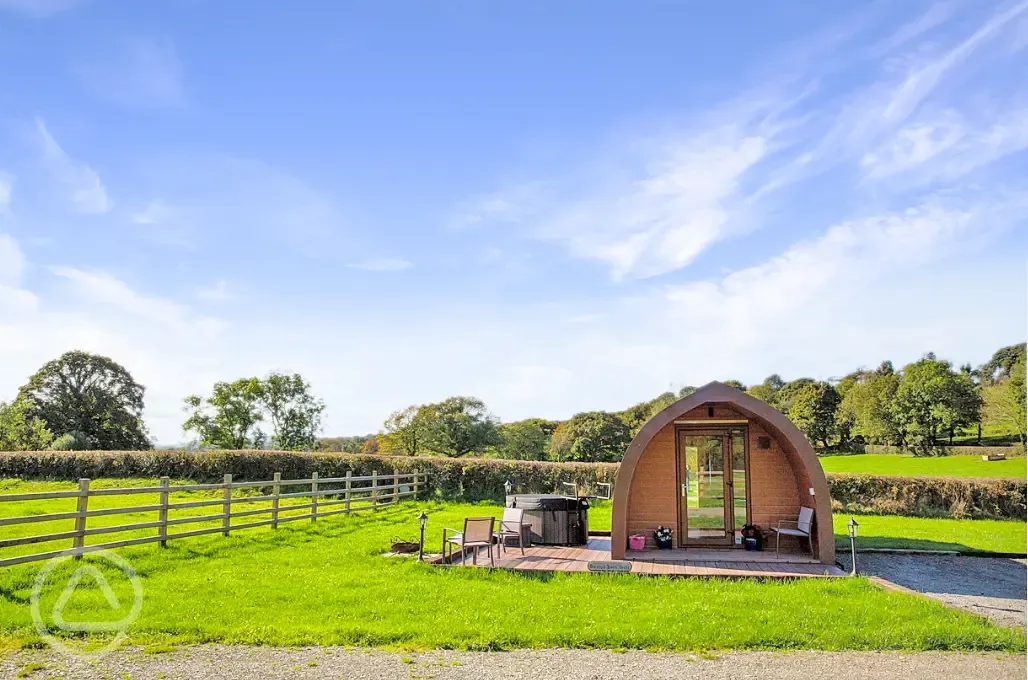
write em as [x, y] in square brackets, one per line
[422, 521]
[507, 487]
[852, 527]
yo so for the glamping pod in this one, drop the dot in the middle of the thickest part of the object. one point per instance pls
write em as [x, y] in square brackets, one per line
[715, 462]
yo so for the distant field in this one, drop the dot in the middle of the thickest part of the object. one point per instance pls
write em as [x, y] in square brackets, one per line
[910, 466]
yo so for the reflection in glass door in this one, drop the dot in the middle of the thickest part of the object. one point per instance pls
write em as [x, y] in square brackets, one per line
[704, 489]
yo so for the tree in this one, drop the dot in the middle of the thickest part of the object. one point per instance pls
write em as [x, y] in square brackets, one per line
[458, 426]
[294, 412]
[1005, 400]
[867, 404]
[814, 410]
[20, 430]
[91, 394]
[767, 391]
[736, 384]
[933, 399]
[686, 391]
[229, 418]
[523, 440]
[370, 446]
[786, 393]
[591, 437]
[405, 430]
[1002, 363]
[636, 416]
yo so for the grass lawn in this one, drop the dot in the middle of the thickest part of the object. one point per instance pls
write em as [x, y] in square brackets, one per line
[912, 533]
[922, 533]
[911, 466]
[327, 583]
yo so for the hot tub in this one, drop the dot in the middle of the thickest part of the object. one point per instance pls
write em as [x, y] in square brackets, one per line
[554, 519]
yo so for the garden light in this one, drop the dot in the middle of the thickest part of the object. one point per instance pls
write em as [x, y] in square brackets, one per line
[422, 521]
[852, 527]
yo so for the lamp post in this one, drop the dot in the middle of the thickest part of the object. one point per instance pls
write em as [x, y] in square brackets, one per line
[508, 487]
[422, 521]
[852, 527]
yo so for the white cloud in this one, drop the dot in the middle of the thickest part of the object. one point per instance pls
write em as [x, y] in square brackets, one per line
[141, 72]
[13, 298]
[38, 9]
[6, 187]
[381, 264]
[106, 290]
[155, 212]
[85, 190]
[215, 293]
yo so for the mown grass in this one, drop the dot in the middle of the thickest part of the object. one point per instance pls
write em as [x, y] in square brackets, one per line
[911, 466]
[327, 583]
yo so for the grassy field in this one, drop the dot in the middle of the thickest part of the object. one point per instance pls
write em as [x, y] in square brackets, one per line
[910, 466]
[328, 583]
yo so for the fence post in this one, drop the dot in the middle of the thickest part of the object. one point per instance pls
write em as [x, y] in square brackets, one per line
[162, 514]
[374, 489]
[417, 479]
[226, 506]
[314, 496]
[349, 474]
[80, 519]
[275, 486]
[396, 487]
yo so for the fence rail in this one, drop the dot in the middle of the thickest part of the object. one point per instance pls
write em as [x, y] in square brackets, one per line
[383, 490]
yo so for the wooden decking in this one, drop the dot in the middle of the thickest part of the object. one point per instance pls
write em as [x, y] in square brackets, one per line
[726, 563]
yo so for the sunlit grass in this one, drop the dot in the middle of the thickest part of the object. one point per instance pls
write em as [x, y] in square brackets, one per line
[912, 466]
[327, 583]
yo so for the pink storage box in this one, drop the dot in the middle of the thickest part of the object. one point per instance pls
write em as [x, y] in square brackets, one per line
[637, 542]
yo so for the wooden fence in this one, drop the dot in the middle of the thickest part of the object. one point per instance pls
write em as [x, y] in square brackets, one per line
[381, 490]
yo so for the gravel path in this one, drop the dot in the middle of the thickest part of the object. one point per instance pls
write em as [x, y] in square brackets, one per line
[993, 587]
[214, 662]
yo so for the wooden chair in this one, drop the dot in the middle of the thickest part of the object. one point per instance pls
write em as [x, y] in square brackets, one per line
[478, 532]
[802, 529]
[510, 526]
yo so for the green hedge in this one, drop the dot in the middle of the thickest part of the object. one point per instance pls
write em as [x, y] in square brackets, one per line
[475, 479]
[929, 496]
[470, 479]
[1014, 451]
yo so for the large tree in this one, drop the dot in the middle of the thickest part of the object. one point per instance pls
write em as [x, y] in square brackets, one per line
[458, 426]
[405, 431]
[932, 400]
[523, 440]
[92, 395]
[814, 409]
[1002, 363]
[20, 430]
[591, 437]
[867, 404]
[294, 412]
[1005, 400]
[231, 417]
[767, 391]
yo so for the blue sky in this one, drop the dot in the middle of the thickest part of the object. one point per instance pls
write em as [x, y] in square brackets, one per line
[553, 206]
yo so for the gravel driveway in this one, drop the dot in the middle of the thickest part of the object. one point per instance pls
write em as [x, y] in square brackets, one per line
[993, 587]
[215, 662]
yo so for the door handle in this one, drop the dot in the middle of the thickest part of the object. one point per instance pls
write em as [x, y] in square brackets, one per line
[685, 493]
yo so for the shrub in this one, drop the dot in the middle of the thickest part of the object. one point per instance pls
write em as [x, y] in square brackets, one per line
[1010, 451]
[476, 479]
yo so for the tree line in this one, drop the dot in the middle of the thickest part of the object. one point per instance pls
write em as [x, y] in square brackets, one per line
[86, 401]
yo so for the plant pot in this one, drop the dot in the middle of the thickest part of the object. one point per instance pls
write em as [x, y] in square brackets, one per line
[664, 544]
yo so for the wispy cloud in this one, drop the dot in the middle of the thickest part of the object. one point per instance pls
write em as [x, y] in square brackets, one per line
[13, 298]
[142, 72]
[155, 212]
[84, 189]
[105, 289]
[38, 9]
[729, 169]
[381, 264]
[6, 187]
[218, 292]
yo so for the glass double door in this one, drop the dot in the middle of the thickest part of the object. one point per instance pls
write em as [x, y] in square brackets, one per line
[712, 498]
